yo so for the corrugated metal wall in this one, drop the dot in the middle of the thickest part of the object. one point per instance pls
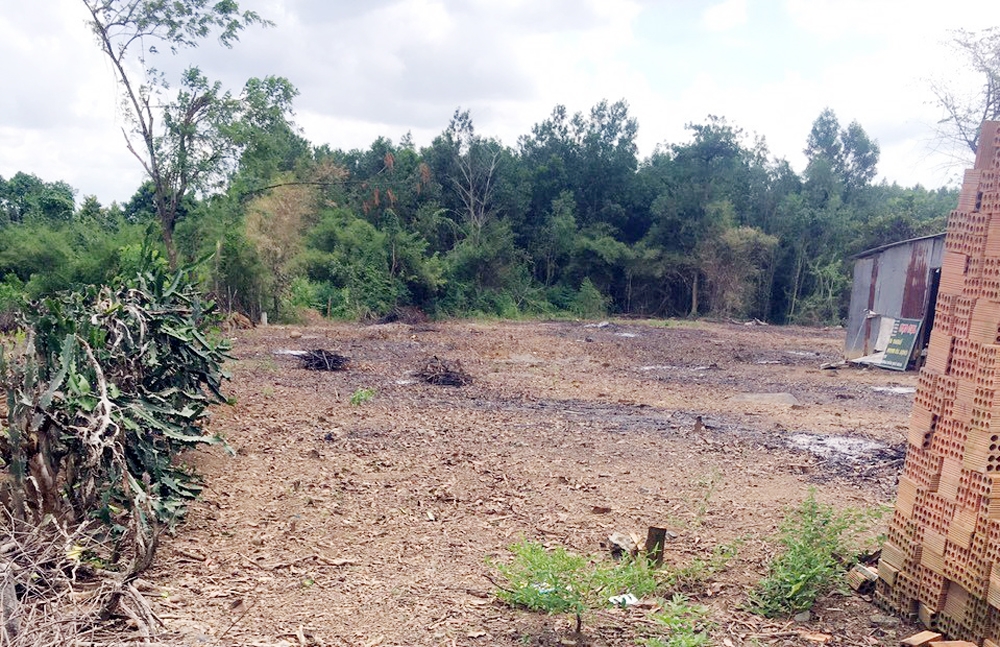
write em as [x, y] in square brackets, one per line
[891, 281]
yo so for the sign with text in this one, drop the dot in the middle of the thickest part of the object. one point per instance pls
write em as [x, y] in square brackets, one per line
[901, 343]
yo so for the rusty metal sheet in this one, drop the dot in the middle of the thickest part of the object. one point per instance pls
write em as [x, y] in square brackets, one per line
[915, 286]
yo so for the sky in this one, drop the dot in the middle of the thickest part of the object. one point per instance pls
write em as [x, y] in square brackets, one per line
[371, 68]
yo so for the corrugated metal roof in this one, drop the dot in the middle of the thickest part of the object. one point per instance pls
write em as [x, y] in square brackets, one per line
[876, 250]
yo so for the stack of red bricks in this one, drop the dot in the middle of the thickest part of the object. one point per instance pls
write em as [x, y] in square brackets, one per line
[942, 558]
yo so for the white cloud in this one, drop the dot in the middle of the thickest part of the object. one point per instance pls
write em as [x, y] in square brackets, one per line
[385, 67]
[725, 16]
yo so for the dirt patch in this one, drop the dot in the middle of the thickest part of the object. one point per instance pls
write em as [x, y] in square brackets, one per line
[372, 524]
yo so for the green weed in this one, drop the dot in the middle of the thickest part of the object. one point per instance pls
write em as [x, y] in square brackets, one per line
[708, 485]
[361, 396]
[556, 581]
[686, 625]
[541, 580]
[701, 569]
[635, 575]
[818, 547]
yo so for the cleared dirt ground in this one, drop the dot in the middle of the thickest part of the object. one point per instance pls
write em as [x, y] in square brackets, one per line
[372, 524]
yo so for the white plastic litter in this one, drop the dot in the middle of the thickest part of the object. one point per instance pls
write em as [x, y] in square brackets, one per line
[623, 600]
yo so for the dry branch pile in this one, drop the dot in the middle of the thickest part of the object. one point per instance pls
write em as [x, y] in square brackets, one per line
[444, 373]
[324, 360]
[53, 591]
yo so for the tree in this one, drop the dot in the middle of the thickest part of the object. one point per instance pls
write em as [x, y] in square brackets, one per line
[695, 202]
[25, 196]
[593, 156]
[475, 173]
[182, 144]
[843, 160]
[275, 224]
[965, 110]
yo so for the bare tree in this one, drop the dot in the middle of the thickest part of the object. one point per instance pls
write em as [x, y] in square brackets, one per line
[477, 161]
[183, 151]
[964, 111]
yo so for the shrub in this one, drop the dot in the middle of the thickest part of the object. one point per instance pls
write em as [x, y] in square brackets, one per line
[589, 303]
[816, 540]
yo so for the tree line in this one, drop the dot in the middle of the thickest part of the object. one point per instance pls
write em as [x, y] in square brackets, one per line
[568, 220]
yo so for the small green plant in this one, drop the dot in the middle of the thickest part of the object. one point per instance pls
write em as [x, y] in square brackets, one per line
[542, 580]
[589, 302]
[556, 581]
[708, 485]
[635, 575]
[361, 396]
[817, 541]
[686, 625]
[701, 569]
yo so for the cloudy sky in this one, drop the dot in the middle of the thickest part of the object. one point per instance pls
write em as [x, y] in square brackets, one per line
[369, 68]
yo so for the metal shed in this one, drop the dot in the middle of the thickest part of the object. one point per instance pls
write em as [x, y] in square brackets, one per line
[896, 281]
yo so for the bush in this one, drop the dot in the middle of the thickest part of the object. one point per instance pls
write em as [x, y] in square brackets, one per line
[816, 540]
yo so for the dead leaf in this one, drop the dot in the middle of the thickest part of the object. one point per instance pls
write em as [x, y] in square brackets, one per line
[479, 633]
[339, 561]
[817, 638]
[600, 509]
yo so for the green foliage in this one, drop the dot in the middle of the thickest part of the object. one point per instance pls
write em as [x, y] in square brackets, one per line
[361, 396]
[46, 257]
[570, 223]
[185, 137]
[12, 302]
[110, 385]
[556, 581]
[828, 301]
[25, 197]
[816, 550]
[685, 623]
[589, 303]
[354, 260]
[541, 580]
[635, 575]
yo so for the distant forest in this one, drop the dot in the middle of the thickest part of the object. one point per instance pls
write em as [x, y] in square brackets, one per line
[568, 222]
